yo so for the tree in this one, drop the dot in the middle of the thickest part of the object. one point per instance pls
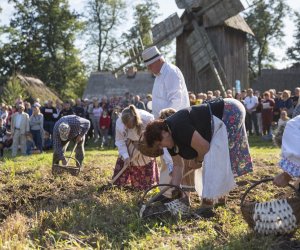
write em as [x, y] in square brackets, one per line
[12, 90]
[293, 52]
[103, 19]
[266, 21]
[41, 38]
[140, 33]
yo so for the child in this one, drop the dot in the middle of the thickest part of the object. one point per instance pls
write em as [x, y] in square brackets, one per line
[47, 141]
[283, 118]
[30, 147]
[104, 127]
[2, 136]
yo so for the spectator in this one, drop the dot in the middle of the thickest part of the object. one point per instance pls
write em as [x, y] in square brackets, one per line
[28, 108]
[138, 103]
[251, 103]
[36, 123]
[19, 129]
[30, 146]
[267, 113]
[149, 103]
[104, 127]
[286, 103]
[48, 144]
[97, 112]
[259, 112]
[4, 113]
[283, 118]
[49, 113]
[2, 137]
[78, 108]
[217, 93]
[295, 98]
[297, 109]
[67, 110]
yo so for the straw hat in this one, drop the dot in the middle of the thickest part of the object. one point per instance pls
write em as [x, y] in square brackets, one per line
[151, 55]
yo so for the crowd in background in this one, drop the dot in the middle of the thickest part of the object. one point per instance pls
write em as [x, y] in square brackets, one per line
[29, 126]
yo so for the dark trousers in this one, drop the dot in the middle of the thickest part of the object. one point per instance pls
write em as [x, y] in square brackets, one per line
[249, 119]
[48, 126]
[79, 152]
[37, 138]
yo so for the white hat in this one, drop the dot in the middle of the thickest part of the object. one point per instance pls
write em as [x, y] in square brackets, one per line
[151, 55]
[64, 131]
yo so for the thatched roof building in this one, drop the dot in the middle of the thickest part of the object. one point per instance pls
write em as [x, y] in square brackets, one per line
[35, 88]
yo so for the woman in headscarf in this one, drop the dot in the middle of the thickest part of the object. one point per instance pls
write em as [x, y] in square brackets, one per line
[141, 171]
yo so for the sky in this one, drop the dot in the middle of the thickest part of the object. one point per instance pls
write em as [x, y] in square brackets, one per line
[168, 7]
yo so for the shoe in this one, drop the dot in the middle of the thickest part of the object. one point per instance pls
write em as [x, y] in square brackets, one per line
[96, 140]
[205, 212]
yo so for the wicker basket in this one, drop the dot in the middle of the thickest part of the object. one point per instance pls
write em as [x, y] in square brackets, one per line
[158, 207]
[279, 216]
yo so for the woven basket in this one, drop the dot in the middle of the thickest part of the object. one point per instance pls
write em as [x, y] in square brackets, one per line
[158, 207]
[257, 222]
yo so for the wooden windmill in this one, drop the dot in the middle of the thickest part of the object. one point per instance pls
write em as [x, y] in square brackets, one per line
[202, 53]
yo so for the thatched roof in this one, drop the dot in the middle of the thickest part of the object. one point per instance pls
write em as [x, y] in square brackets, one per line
[35, 88]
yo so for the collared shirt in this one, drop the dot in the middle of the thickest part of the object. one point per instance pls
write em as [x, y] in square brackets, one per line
[169, 90]
[250, 102]
[18, 120]
[78, 125]
[122, 133]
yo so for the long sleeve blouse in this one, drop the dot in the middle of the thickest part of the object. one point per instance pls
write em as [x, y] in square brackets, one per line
[123, 133]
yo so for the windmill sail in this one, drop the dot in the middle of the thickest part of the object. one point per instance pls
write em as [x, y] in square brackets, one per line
[165, 31]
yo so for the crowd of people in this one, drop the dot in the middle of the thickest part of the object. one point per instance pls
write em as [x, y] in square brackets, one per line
[187, 130]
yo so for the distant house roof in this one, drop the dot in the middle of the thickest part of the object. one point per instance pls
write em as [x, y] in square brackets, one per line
[105, 83]
[35, 88]
[278, 79]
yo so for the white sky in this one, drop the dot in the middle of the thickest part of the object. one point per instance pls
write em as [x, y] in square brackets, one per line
[168, 7]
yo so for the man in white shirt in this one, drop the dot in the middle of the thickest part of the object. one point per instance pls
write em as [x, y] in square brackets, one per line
[19, 129]
[251, 103]
[169, 91]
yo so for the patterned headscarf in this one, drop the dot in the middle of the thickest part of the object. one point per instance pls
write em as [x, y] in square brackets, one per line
[64, 130]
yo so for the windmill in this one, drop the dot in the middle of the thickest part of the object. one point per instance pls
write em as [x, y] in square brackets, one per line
[201, 50]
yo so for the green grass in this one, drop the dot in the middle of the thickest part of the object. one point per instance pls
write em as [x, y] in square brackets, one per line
[38, 211]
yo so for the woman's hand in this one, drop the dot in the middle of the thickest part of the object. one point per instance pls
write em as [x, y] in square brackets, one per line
[282, 180]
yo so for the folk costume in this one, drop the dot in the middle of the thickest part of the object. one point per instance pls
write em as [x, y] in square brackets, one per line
[221, 123]
[143, 171]
[290, 149]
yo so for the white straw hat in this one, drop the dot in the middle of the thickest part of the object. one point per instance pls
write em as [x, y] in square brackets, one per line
[151, 55]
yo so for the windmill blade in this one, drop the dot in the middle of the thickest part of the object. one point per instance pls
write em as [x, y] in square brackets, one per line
[201, 49]
[165, 31]
[223, 10]
[215, 12]
[188, 3]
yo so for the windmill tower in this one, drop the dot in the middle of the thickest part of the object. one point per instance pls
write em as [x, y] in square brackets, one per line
[201, 51]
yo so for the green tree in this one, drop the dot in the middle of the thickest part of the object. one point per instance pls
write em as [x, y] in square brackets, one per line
[103, 19]
[140, 33]
[41, 38]
[12, 90]
[266, 21]
[293, 52]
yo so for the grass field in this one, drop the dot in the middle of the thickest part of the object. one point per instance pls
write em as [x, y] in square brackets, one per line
[67, 212]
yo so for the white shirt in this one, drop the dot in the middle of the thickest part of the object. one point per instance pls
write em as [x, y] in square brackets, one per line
[169, 90]
[251, 102]
[123, 133]
[18, 120]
